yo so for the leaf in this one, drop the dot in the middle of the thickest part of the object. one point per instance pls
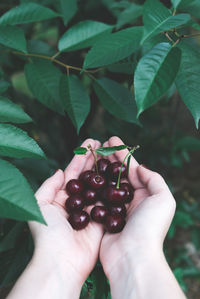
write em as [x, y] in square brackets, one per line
[175, 3]
[188, 143]
[83, 35]
[17, 200]
[100, 285]
[17, 144]
[190, 6]
[13, 37]
[68, 9]
[122, 67]
[80, 150]
[39, 47]
[43, 79]
[27, 13]
[10, 238]
[129, 15]
[114, 47]
[3, 86]
[187, 80]
[157, 18]
[76, 100]
[116, 99]
[106, 151]
[154, 74]
[10, 112]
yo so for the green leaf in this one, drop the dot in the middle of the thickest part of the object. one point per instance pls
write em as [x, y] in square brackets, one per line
[80, 150]
[27, 13]
[17, 200]
[13, 37]
[76, 100]
[114, 47]
[175, 3]
[154, 74]
[100, 286]
[106, 151]
[129, 15]
[117, 99]
[40, 47]
[43, 79]
[188, 143]
[157, 18]
[17, 144]
[3, 86]
[122, 67]
[10, 238]
[68, 9]
[83, 35]
[190, 6]
[10, 112]
[187, 80]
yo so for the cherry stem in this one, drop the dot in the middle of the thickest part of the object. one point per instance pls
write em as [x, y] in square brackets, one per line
[95, 158]
[127, 155]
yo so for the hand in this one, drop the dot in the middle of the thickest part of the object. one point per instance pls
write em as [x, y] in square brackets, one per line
[74, 252]
[148, 217]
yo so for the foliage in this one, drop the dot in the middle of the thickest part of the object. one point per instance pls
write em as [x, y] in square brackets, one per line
[71, 69]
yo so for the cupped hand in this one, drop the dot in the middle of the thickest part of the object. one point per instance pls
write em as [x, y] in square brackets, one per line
[148, 216]
[74, 251]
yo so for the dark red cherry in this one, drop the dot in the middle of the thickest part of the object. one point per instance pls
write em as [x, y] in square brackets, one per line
[74, 203]
[79, 220]
[114, 223]
[115, 196]
[112, 183]
[99, 214]
[114, 169]
[90, 196]
[129, 190]
[84, 176]
[102, 165]
[118, 210]
[74, 187]
[96, 181]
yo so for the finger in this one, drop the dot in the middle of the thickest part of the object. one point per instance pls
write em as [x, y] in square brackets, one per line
[60, 199]
[77, 164]
[90, 161]
[120, 155]
[153, 181]
[47, 192]
[112, 158]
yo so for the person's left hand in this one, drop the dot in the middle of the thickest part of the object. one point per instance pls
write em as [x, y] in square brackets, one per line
[73, 251]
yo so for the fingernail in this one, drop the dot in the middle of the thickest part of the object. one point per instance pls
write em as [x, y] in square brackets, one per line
[143, 165]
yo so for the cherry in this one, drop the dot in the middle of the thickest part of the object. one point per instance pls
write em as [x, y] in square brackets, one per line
[112, 183]
[79, 220]
[114, 169]
[114, 223]
[74, 187]
[84, 176]
[99, 214]
[74, 203]
[90, 196]
[129, 191]
[115, 196]
[102, 165]
[96, 181]
[118, 210]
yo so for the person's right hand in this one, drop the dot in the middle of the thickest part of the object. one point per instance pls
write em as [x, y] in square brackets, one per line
[148, 217]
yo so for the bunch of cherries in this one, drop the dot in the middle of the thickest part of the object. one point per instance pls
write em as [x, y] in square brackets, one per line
[102, 186]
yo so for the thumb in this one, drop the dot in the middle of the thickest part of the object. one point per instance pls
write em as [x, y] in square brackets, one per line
[153, 181]
[48, 190]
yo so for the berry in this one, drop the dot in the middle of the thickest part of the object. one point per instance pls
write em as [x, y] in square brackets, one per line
[90, 196]
[74, 187]
[96, 181]
[114, 169]
[79, 220]
[84, 176]
[99, 214]
[118, 210]
[74, 203]
[129, 191]
[115, 196]
[114, 223]
[102, 165]
[112, 183]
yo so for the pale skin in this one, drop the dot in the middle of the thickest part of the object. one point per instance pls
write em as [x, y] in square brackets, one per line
[133, 260]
